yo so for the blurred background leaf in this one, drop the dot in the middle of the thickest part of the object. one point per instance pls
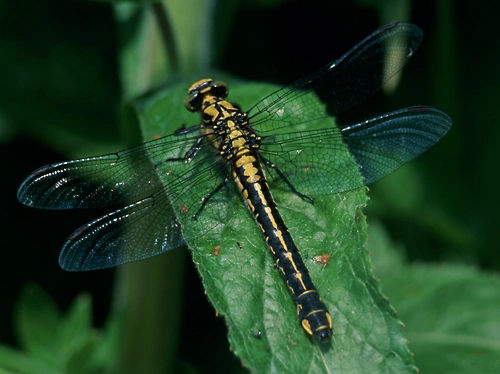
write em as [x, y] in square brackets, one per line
[450, 310]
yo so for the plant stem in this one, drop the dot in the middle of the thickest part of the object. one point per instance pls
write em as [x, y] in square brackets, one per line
[167, 33]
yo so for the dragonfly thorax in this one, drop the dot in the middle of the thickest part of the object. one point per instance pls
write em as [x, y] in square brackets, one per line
[228, 128]
[225, 125]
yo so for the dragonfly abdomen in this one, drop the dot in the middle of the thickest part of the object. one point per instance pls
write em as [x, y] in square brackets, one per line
[312, 312]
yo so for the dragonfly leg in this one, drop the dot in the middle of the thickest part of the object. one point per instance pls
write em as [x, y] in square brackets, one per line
[192, 151]
[285, 179]
[186, 130]
[206, 198]
[189, 154]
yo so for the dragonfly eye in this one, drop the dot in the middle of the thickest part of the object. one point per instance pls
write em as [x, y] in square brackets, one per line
[193, 101]
[202, 88]
[219, 89]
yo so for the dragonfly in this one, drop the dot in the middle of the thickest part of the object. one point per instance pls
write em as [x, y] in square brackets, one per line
[166, 192]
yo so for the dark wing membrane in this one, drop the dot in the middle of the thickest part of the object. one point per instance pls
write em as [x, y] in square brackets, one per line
[328, 161]
[157, 223]
[161, 191]
[341, 84]
[383, 144]
[141, 230]
[104, 180]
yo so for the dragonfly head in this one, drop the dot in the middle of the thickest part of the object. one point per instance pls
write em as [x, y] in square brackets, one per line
[203, 90]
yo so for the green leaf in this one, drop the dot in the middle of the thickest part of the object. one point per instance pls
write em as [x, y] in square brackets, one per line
[37, 319]
[54, 342]
[79, 341]
[21, 362]
[386, 256]
[107, 350]
[3, 371]
[76, 323]
[451, 314]
[450, 311]
[240, 279]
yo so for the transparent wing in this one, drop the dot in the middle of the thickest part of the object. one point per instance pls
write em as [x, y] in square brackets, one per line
[140, 230]
[341, 84]
[104, 180]
[162, 191]
[325, 161]
[383, 144]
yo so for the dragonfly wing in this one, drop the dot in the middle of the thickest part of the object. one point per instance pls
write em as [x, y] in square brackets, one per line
[341, 84]
[383, 144]
[315, 162]
[332, 160]
[155, 188]
[104, 180]
[138, 231]
[158, 222]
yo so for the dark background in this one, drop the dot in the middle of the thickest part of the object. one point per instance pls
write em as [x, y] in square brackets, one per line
[59, 70]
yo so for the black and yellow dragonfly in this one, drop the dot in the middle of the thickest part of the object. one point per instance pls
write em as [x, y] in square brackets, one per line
[170, 188]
